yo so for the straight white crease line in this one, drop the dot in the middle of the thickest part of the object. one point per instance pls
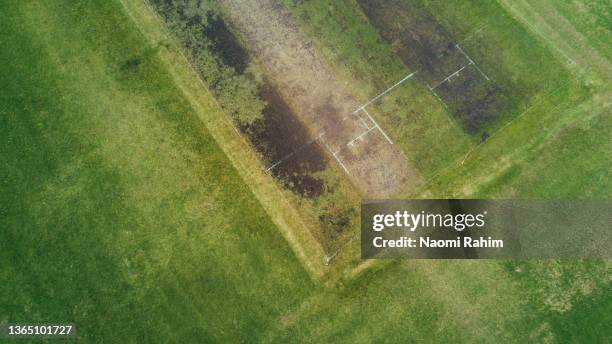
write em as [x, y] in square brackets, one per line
[471, 61]
[450, 76]
[387, 91]
[294, 152]
[477, 31]
[341, 164]
[362, 121]
[377, 126]
[334, 155]
[437, 96]
[360, 136]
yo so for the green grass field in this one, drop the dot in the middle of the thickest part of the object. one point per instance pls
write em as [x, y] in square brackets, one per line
[124, 212]
[118, 210]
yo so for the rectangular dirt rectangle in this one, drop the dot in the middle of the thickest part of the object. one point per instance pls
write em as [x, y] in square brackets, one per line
[378, 166]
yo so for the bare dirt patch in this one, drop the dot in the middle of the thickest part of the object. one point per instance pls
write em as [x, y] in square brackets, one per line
[317, 95]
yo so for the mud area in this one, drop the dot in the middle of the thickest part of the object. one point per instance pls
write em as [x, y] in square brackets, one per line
[443, 66]
[284, 141]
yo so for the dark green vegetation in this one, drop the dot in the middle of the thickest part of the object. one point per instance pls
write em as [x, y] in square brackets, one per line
[119, 212]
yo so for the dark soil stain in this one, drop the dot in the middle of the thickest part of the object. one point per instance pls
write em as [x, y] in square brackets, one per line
[424, 45]
[477, 108]
[277, 136]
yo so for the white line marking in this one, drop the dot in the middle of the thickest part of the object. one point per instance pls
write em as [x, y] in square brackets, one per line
[362, 121]
[450, 76]
[328, 259]
[334, 155]
[461, 161]
[387, 90]
[294, 152]
[472, 62]
[360, 136]
[437, 96]
[341, 164]
[376, 125]
[474, 33]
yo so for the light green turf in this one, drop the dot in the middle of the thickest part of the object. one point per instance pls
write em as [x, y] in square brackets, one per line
[591, 18]
[118, 211]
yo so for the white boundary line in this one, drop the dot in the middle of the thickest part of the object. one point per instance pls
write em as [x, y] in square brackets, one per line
[294, 152]
[376, 124]
[334, 155]
[387, 90]
[329, 258]
[474, 33]
[461, 161]
[472, 62]
[341, 164]
[363, 121]
[362, 108]
[452, 75]
[360, 136]
[437, 96]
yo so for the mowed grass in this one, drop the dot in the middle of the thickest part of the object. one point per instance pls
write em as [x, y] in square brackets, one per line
[593, 19]
[460, 302]
[524, 67]
[118, 211]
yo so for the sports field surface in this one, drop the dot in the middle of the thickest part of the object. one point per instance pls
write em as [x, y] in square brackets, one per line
[191, 171]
